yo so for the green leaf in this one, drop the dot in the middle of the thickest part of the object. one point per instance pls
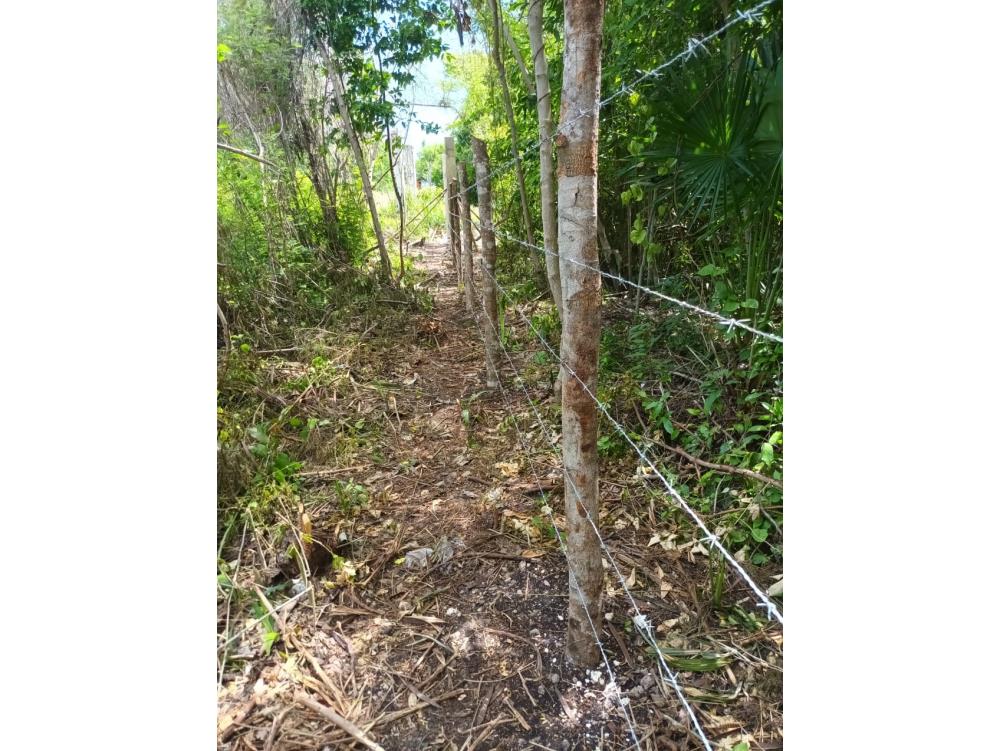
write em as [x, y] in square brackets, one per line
[767, 454]
[637, 236]
[710, 270]
[222, 52]
[269, 639]
[710, 400]
[668, 426]
[759, 534]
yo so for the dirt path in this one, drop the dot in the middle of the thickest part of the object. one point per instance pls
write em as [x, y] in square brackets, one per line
[464, 650]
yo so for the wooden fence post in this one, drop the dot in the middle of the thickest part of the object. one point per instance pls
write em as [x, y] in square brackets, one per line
[488, 243]
[466, 212]
[454, 231]
[451, 202]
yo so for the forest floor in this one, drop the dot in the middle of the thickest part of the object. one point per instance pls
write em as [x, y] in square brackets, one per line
[461, 646]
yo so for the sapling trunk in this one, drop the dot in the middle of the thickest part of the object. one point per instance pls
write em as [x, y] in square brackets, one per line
[581, 330]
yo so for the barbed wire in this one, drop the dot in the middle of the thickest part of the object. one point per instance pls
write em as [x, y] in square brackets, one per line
[764, 601]
[641, 621]
[721, 319]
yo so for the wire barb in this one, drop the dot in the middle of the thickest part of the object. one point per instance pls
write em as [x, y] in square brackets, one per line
[692, 48]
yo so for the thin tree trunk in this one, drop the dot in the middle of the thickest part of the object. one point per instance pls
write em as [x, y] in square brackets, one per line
[529, 85]
[547, 170]
[400, 201]
[317, 173]
[359, 157]
[581, 330]
[488, 244]
[456, 235]
[463, 207]
[497, 46]
[399, 195]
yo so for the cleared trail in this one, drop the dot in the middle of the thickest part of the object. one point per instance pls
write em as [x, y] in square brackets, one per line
[464, 649]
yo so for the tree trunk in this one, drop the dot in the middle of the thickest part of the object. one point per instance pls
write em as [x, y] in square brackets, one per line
[465, 211]
[359, 157]
[456, 234]
[547, 170]
[497, 46]
[488, 244]
[519, 59]
[581, 330]
[319, 180]
[400, 200]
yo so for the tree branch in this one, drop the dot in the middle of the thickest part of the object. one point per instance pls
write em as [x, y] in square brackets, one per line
[722, 467]
[247, 154]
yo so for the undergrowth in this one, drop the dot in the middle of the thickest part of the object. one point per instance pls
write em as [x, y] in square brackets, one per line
[673, 382]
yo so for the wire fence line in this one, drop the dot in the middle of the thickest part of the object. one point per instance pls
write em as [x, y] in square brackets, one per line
[764, 601]
[641, 621]
[729, 322]
[694, 44]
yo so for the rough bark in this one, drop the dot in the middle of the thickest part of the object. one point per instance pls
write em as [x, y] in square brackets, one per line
[359, 157]
[581, 330]
[488, 259]
[546, 167]
[465, 211]
[497, 49]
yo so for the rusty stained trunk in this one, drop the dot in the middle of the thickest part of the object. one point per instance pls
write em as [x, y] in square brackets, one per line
[488, 259]
[581, 329]
[467, 245]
